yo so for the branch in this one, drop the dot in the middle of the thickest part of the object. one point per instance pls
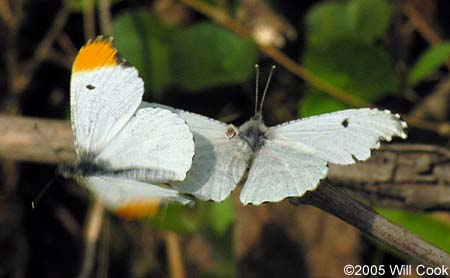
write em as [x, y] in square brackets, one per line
[413, 177]
[19, 140]
[91, 233]
[390, 165]
[174, 255]
[333, 200]
[222, 18]
[405, 176]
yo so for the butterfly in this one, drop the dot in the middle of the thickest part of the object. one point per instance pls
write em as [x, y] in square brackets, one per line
[283, 161]
[124, 151]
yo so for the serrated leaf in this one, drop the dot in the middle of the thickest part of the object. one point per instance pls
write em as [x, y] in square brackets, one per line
[206, 55]
[428, 62]
[145, 42]
[355, 67]
[423, 225]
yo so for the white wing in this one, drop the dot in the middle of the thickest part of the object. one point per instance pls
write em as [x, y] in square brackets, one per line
[295, 155]
[119, 194]
[219, 162]
[280, 171]
[105, 92]
[341, 137]
[155, 145]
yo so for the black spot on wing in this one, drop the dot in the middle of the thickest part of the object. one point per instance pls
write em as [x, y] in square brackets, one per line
[90, 86]
[344, 123]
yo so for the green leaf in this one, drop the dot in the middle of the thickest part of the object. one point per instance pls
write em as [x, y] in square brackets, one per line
[327, 22]
[428, 62]
[423, 225]
[77, 5]
[361, 20]
[206, 55]
[316, 102]
[221, 216]
[355, 67]
[145, 42]
[178, 218]
[369, 19]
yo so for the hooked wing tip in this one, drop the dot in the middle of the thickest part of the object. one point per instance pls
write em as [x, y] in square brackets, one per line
[97, 53]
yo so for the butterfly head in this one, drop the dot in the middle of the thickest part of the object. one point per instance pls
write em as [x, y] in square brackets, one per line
[254, 132]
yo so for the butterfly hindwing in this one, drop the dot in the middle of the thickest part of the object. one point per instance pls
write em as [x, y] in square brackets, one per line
[155, 145]
[131, 198]
[279, 171]
[220, 160]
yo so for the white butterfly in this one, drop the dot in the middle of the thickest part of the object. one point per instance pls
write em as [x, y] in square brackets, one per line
[124, 151]
[285, 160]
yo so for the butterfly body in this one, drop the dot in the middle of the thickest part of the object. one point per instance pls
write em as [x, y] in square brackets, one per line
[254, 132]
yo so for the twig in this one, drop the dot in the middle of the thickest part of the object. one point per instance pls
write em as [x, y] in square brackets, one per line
[46, 43]
[435, 104]
[421, 24]
[67, 45]
[6, 14]
[19, 141]
[103, 258]
[91, 234]
[89, 19]
[176, 265]
[222, 18]
[105, 17]
[333, 200]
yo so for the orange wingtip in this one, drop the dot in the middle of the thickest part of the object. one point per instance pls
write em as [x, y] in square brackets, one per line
[139, 209]
[97, 53]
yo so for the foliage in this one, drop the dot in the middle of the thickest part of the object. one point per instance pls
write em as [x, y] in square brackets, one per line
[194, 58]
[341, 49]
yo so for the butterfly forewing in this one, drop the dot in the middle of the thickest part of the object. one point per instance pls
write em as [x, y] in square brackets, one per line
[343, 136]
[293, 159]
[105, 92]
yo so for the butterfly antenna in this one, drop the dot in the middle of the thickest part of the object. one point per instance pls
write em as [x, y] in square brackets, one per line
[256, 88]
[267, 87]
[43, 190]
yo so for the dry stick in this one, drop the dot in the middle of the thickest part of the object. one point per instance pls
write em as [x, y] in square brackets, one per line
[428, 33]
[45, 45]
[333, 200]
[421, 24]
[89, 19]
[19, 141]
[176, 265]
[105, 17]
[91, 232]
[222, 18]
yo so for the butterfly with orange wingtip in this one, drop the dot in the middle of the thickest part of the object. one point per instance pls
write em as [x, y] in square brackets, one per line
[124, 151]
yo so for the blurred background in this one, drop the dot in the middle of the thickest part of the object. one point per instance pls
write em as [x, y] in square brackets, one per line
[199, 55]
